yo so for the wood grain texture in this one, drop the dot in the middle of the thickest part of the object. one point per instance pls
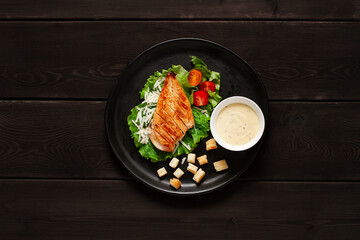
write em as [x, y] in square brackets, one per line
[313, 141]
[187, 9]
[295, 60]
[66, 139]
[55, 139]
[128, 210]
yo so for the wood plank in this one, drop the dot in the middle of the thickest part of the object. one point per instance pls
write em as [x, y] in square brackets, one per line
[309, 140]
[187, 9]
[54, 140]
[66, 139]
[127, 210]
[295, 60]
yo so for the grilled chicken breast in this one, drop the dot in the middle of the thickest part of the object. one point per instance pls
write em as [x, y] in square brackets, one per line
[173, 116]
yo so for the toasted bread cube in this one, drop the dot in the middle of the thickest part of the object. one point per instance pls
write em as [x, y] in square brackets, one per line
[202, 160]
[199, 175]
[191, 157]
[220, 165]
[192, 168]
[161, 172]
[211, 144]
[175, 183]
[178, 173]
[174, 162]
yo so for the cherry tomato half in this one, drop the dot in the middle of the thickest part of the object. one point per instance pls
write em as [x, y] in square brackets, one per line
[200, 98]
[207, 85]
[194, 77]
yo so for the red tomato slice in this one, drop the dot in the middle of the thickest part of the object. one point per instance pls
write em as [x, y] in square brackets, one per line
[207, 85]
[200, 98]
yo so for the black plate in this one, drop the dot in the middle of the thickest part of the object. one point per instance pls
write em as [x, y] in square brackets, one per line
[237, 78]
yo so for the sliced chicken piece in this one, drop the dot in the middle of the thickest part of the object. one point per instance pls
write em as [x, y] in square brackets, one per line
[163, 129]
[175, 97]
[170, 126]
[184, 103]
[159, 128]
[173, 116]
[160, 143]
[182, 115]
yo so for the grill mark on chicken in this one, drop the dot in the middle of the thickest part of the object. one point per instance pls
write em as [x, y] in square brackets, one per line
[182, 102]
[181, 105]
[173, 116]
[188, 120]
[158, 127]
[171, 95]
[175, 130]
[164, 129]
[165, 115]
[177, 118]
[159, 142]
[181, 117]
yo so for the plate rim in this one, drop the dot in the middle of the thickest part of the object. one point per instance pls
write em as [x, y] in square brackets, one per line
[159, 189]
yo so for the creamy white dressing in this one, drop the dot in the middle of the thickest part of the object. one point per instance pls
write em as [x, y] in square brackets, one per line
[237, 124]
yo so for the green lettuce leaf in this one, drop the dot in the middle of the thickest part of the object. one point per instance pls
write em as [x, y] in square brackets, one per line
[181, 76]
[202, 121]
[149, 86]
[214, 98]
[201, 66]
[192, 137]
[212, 76]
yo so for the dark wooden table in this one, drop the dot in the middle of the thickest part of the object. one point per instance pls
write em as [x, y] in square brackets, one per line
[60, 179]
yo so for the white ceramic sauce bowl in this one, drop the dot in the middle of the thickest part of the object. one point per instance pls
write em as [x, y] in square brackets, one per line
[227, 102]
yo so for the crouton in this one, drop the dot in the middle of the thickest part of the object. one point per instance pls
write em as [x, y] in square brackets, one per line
[175, 183]
[174, 162]
[220, 165]
[178, 173]
[191, 157]
[192, 168]
[211, 144]
[202, 160]
[161, 172]
[199, 175]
